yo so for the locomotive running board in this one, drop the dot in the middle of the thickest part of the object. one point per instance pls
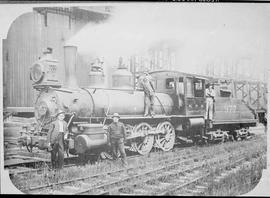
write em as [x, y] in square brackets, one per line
[248, 121]
[144, 117]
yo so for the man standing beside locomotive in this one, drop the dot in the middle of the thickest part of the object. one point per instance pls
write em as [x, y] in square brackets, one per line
[210, 99]
[57, 133]
[149, 94]
[117, 137]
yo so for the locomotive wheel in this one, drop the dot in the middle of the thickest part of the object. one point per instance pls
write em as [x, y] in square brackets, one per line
[29, 148]
[166, 140]
[143, 145]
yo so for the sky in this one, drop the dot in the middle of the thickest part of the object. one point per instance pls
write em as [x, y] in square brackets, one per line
[205, 34]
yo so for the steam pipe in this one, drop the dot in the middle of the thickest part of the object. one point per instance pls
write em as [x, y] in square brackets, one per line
[70, 60]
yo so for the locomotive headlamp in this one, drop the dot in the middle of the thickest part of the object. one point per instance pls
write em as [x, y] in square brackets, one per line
[36, 72]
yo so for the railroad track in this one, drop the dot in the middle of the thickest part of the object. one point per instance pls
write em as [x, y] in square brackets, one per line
[199, 185]
[181, 185]
[79, 184]
[45, 163]
[111, 172]
[161, 186]
[94, 183]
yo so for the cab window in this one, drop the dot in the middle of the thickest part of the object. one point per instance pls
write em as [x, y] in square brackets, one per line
[169, 83]
[198, 88]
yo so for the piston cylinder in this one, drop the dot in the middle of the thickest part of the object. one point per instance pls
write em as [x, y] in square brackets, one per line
[84, 143]
[93, 136]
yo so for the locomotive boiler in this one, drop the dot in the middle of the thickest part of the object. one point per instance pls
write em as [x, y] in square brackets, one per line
[179, 108]
[92, 107]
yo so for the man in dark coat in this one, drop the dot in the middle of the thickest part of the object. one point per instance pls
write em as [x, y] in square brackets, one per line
[57, 133]
[117, 137]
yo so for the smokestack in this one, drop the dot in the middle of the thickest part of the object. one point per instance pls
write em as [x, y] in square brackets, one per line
[70, 60]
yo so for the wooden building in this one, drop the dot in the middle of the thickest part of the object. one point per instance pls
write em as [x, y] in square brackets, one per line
[28, 36]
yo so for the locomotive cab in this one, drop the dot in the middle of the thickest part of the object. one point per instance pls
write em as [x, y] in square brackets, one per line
[187, 91]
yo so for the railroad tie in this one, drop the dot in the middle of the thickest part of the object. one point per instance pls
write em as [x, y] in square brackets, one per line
[202, 187]
[178, 180]
[183, 194]
[58, 192]
[94, 192]
[194, 191]
[125, 194]
[70, 189]
[85, 185]
[151, 187]
[163, 185]
[140, 192]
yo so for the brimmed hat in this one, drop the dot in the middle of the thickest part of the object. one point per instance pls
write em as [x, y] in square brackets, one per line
[116, 115]
[60, 112]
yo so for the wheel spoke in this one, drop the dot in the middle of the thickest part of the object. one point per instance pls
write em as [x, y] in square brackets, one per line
[162, 140]
[165, 141]
[143, 145]
[140, 145]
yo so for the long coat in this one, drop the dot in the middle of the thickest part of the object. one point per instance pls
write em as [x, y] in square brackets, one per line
[54, 136]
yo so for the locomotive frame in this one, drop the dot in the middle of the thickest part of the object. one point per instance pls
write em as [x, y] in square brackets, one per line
[179, 96]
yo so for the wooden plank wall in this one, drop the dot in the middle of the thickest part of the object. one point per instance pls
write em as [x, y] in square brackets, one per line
[5, 71]
[28, 36]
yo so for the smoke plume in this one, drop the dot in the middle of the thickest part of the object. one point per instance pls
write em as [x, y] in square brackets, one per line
[205, 35]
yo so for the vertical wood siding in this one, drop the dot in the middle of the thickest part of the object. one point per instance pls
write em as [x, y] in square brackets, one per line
[27, 38]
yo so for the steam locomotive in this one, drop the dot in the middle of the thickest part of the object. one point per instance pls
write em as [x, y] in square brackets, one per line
[179, 108]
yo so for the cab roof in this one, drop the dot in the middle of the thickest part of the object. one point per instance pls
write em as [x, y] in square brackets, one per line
[174, 73]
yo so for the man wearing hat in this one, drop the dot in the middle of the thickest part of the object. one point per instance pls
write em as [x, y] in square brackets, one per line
[117, 137]
[57, 133]
[210, 99]
[149, 94]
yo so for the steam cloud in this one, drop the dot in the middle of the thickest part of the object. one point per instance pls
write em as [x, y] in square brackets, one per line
[219, 35]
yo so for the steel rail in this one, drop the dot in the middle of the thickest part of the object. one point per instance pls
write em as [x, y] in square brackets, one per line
[105, 173]
[215, 160]
[176, 187]
[21, 172]
[147, 180]
[111, 172]
[92, 188]
[101, 174]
